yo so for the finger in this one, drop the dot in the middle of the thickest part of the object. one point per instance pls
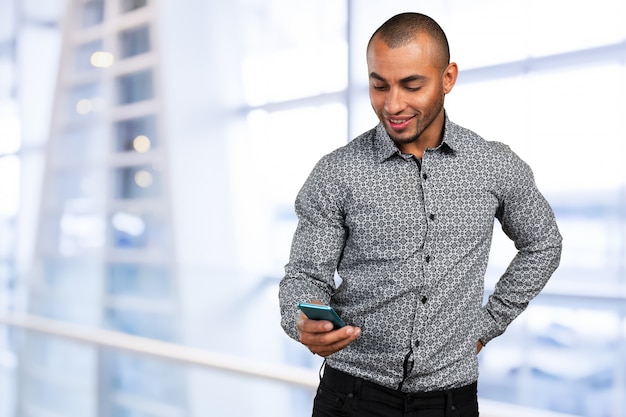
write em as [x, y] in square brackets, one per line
[326, 350]
[327, 337]
[306, 325]
[332, 342]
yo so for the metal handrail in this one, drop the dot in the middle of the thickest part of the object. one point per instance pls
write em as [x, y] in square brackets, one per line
[163, 350]
[203, 358]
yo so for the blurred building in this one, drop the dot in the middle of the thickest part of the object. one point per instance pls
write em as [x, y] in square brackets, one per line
[151, 150]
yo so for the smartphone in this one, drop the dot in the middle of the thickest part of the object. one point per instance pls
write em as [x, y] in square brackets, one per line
[321, 312]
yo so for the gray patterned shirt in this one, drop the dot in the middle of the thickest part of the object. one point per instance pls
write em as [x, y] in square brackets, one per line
[410, 245]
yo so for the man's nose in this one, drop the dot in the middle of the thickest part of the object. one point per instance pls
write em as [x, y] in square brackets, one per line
[395, 101]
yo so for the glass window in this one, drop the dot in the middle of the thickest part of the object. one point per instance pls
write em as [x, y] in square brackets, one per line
[130, 5]
[136, 182]
[135, 87]
[594, 231]
[549, 110]
[135, 231]
[290, 42]
[7, 281]
[80, 232]
[69, 289]
[50, 353]
[605, 19]
[49, 356]
[534, 361]
[74, 185]
[9, 185]
[149, 281]
[8, 375]
[72, 232]
[128, 231]
[10, 128]
[84, 54]
[138, 134]
[92, 13]
[145, 378]
[258, 163]
[134, 41]
[323, 66]
[82, 142]
[147, 324]
[84, 100]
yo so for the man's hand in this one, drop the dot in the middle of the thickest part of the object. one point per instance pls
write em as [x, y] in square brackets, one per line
[320, 338]
[479, 347]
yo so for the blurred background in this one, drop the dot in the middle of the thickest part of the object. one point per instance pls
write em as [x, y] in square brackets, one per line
[150, 154]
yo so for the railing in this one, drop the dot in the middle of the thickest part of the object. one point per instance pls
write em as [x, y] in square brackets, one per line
[203, 358]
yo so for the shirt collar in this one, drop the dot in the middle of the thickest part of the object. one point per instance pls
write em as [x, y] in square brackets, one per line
[450, 142]
[386, 147]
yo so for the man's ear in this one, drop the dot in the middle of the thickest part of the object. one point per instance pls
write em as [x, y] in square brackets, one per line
[449, 77]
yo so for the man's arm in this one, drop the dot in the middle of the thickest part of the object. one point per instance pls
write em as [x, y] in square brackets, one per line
[529, 222]
[315, 252]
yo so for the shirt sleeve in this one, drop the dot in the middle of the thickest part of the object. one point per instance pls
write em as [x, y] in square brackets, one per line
[528, 220]
[317, 245]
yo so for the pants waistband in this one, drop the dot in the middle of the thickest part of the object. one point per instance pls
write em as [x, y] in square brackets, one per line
[440, 398]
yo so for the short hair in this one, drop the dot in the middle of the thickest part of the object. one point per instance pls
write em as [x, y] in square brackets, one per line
[401, 29]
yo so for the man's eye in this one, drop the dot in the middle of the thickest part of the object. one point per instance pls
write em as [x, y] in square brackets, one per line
[379, 87]
[413, 89]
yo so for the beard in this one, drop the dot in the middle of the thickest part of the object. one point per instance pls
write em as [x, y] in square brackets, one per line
[423, 122]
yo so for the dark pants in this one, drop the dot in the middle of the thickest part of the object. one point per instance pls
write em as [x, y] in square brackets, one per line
[342, 395]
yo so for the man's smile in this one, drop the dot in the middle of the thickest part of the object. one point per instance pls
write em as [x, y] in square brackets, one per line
[399, 123]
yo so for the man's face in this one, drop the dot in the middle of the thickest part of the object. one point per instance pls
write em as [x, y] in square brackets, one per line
[407, 89]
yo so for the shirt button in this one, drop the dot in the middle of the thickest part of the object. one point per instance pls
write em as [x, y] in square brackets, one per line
[424, 299]
[427, 259]
[432, 216]
[425, 176]
[417, 343]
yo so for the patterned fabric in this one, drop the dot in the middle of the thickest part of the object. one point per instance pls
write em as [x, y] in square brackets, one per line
[410, 246]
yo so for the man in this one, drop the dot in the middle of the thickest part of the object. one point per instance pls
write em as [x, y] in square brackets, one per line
[404, 214]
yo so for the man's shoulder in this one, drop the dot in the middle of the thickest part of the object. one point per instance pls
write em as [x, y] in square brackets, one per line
[467, 140]
[495, 157]
[362, 147]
